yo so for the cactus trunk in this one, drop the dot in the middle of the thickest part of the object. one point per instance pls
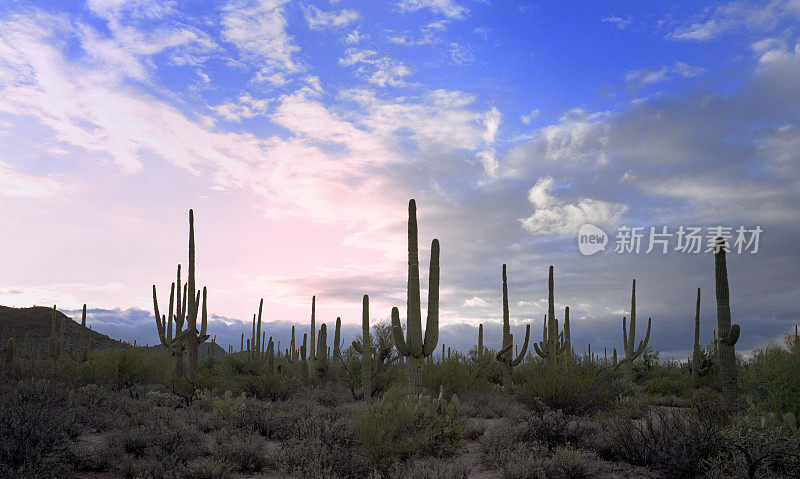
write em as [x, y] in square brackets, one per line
[728, 333]
[696, 348]
[413, 346]
[366, 350]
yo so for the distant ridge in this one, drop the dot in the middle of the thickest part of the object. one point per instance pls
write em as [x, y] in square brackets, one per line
[34, 325]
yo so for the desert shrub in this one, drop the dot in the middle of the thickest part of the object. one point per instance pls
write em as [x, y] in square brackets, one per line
[568, 463]
[524, 461]
[669, 439]
[757, 446]
[123, 369]
[571, 388]
[496, 444]
[206, 468]
[771, 381]
[269, 387]
[399, 426]
[244, 451]
[667, 385]
[241, 412]
[385, 369]
[37, 421]
[474, 429]
[554, 428]
[431, 468]
[491, 404]
[321, 445]
[454, 375]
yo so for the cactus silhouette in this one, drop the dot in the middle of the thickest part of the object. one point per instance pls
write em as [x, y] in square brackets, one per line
[728, 333]
[321, 360]
[553, 344]
[364, 348]
[629, 339]
[505, 355]
[188, 310]
[413, 346]
[696, 348]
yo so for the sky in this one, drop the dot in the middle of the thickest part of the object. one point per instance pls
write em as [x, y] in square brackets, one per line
[298, 131]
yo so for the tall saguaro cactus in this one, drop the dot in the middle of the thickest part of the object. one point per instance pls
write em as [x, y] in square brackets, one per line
[505, 355]
[696, 348]
[365, 349]
[336, 356]
[728, 333]
[188, 310]
[629, 339]
[312, 351]
[321, 359]
[82, 352]
[553, 345]
[414, 347]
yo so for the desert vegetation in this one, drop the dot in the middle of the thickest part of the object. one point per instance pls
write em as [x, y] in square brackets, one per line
[379, 405]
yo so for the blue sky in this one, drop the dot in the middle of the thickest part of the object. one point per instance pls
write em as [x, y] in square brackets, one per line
[299, 130]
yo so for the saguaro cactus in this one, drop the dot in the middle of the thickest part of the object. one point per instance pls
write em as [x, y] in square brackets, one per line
[336, 357]
[56, 342]
[629, 339]
[505, 355]
[321, 360]
[312, 351]
[728, 333]
[553, 345]
[188, 310]
[82, 351]
[696, 348]
[303, 360]
[365, 349]
[480, 341]
[413, 346]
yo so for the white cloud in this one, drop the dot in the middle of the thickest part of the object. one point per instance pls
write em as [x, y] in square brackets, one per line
[319, 20]
[553, 216]
[618, 22]
[381, 71]
[460, 54]
[475, 302]
[14, 184]
[258, 29]
[644, 77]
[245, 107]
[448, 8]
[526, 119]
[736, 15]
[491, 121]
[355, 37]
[489, 162]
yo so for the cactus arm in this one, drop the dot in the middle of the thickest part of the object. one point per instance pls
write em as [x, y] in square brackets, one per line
[397, 334]
[625, 334]
[258, 326]
[733, 335]
[357, 347]
[501, 355]
[542, 352]
[521, 355]
[204, 317]
[432, 322]
[643, 343]
[159, 323]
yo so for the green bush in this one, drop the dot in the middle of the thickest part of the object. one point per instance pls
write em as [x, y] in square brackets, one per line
[431, 468]
[399, 426]
[674, 440]
[37, 421]
[771, 381]
[570, 388]
[762, 446]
